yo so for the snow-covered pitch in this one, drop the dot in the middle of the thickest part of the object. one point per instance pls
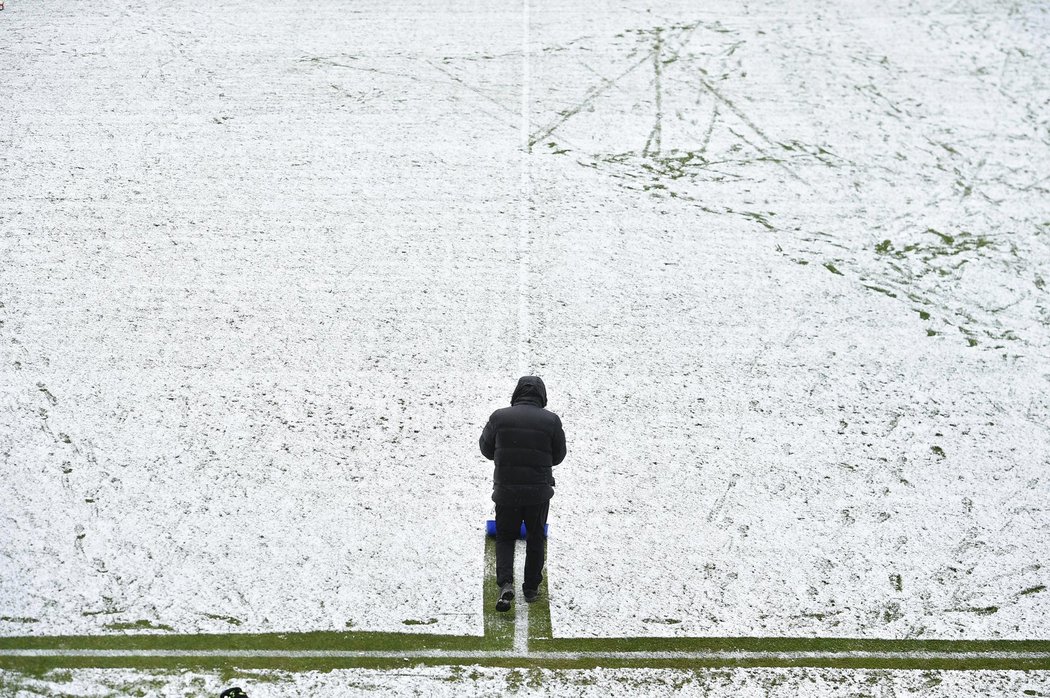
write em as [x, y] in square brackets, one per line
[266, 268]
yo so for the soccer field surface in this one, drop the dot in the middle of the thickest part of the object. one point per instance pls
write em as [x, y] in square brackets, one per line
[266, 268]
[517, 653]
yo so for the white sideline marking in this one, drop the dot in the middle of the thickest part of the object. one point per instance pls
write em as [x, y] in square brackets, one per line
[514, 654]
[521, 627]
[525, 196]
[521, 609]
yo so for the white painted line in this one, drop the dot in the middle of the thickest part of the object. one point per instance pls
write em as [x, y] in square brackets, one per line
[521, 627]
[521, 609]
[486, 654]
[525, 198]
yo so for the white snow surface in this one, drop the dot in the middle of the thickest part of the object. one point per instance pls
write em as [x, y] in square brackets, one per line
[265, 269]
[494, 681]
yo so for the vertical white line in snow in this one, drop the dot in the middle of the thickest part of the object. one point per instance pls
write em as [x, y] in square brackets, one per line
[521, 610]
[524, 320]
[521, 627]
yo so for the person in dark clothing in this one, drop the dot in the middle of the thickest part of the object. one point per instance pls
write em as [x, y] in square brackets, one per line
[525, 440]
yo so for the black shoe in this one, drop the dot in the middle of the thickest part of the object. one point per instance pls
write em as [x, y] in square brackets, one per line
[506, 595]
[530, 594]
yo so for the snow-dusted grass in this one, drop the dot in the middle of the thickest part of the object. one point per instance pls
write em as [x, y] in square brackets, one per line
[793, 301]
[253, 317]
[265, 269]
[480, 680]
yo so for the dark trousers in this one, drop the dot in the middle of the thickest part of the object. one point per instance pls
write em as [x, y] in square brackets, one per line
[508, 528]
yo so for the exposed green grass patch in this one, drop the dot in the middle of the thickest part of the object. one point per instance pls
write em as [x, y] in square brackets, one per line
[499, 627]
[139, 625]
[880, 289]
[540, 616]
[759, 218]
[326, 640]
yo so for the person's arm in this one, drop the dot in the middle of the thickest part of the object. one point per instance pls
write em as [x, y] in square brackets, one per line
[558, 442]
[487, 442]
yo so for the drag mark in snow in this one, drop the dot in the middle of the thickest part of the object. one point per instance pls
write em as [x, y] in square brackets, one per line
[655, 134]
[722, 500]
[751, 125]
[710, 128]
[47, 393]
[459, 81]
[596, 91]
[591, 95]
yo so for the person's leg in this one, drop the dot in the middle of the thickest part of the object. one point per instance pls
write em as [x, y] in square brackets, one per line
[535, 544]
[508, 528]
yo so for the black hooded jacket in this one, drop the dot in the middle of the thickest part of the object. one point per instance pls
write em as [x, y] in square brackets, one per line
[525, 440]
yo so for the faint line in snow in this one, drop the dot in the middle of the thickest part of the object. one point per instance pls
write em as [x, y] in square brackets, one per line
[722, 500]
[592, 94]
[525, 196]
[459, 81]
[710, 128]
[752, 125]
[324, 60]
[596, 91]
[656, 133]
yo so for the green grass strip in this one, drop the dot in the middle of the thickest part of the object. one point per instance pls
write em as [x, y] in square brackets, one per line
[540, 617]
[38, 666]
[782, 644]
[499, 627]
[346, 641]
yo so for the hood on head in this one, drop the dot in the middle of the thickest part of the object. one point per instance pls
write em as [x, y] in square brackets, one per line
[530, 389]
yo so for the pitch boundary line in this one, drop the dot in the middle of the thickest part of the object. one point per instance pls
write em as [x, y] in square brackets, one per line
[516, 654]
[525, 200]
[521, 628]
